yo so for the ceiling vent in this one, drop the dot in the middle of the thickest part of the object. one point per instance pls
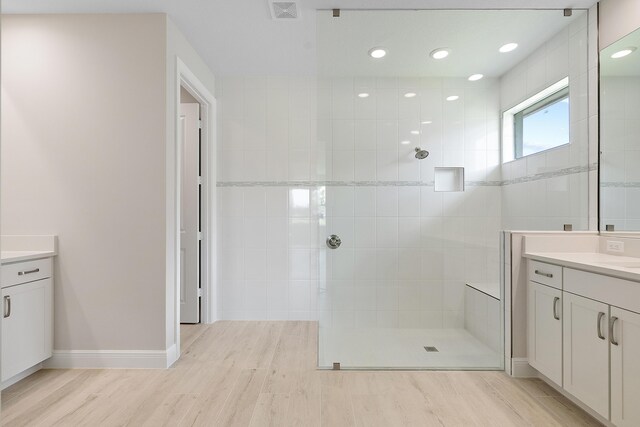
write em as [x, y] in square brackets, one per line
[284, 9]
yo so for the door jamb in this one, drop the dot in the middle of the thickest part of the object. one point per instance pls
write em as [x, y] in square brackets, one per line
[208, 282]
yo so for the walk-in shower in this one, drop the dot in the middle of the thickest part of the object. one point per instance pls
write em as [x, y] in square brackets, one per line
[409, 267]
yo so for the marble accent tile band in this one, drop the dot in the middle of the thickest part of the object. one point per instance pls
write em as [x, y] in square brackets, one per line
[552, 174]
[349, 184]
[322, 183]
[615, 184]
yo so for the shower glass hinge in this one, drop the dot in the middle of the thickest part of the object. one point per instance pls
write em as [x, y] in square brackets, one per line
[610, 227]
[199, 124]
[568, 227]
[336, 13]
[336, 366]
[568, 12]
[199, 292]
[199, 235]
[199, 180]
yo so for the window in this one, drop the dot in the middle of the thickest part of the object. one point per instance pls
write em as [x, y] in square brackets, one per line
[537, 124]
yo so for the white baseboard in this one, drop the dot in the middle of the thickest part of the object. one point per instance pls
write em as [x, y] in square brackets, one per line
[22, 375]
[520, 368]
[99, 359]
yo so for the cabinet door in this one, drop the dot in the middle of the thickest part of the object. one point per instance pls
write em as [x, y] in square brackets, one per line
[26, 326]
[586, 351]
[544, 334]
[624, 335]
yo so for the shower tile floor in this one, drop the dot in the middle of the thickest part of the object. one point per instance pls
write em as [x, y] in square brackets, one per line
[390, 348]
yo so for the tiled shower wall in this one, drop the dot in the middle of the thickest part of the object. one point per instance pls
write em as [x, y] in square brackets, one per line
[620, 190]
[300, 159]
[544, 191]
[268, 219]
[407, 250]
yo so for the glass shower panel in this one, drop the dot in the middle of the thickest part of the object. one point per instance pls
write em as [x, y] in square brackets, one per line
[411, 276]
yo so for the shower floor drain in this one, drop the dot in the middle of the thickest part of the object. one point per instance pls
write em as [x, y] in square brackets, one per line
[430, 349]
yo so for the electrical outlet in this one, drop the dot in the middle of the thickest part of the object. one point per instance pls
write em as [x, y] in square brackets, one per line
[615, 246]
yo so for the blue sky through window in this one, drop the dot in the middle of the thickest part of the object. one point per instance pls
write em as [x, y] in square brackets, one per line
[546, 128]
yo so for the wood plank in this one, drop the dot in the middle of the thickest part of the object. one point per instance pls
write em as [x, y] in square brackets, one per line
[271, 410]
[243, 398]
[264, 373]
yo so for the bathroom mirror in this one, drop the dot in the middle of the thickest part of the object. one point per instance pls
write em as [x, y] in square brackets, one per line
[620, 135]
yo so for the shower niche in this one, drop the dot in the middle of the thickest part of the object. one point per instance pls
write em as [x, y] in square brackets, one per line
[448, 179]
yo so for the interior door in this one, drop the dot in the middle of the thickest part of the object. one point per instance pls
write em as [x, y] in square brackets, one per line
[190, 214]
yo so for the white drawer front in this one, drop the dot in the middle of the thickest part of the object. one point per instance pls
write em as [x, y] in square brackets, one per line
[26, 271]
[610, 290]
[547, 274]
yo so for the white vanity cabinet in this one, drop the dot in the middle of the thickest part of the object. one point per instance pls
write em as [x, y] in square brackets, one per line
[544, 333]
[624, 336]
[27, 323]
[591, 345]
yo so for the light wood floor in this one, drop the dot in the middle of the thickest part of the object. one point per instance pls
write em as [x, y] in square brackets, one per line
[263, 373]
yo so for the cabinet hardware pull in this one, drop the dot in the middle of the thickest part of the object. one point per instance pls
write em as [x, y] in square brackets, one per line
[22, 273]
[541, 273]
[612, 324]
[555, 308]
[600, 334]
[7, 306]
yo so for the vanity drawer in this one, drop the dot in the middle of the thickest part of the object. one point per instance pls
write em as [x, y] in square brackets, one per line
[547, 274]
[25, 271]
[610, 290]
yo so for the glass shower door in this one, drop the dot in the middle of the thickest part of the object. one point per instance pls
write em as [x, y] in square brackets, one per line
[413, 182]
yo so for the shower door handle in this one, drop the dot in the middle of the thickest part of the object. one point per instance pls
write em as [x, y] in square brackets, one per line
[333, 241]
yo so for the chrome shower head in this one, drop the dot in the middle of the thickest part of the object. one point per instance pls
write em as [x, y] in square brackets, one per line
[421, 154]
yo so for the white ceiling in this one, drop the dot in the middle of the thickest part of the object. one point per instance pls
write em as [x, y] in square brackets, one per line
[473, 38]
[239, 36]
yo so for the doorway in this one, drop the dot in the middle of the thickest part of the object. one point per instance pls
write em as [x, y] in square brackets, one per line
[194, 250]
[190, 208]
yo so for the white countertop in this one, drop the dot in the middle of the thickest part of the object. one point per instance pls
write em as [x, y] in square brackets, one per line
[610, 265]
[15, 256]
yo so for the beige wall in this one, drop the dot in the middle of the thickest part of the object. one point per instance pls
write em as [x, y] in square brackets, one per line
[617, 19]
[81, 160]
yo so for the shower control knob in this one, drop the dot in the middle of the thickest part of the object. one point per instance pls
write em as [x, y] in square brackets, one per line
[333, 242]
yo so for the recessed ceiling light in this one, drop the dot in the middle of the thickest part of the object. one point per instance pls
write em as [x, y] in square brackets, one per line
[452, 97]
[377, 52]
[405, 142]
[427, 122]
[439, 53]
[409, 94]
[508, 47]
[624, 52]
[363, 95]
[475, 77]
[415, 132]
